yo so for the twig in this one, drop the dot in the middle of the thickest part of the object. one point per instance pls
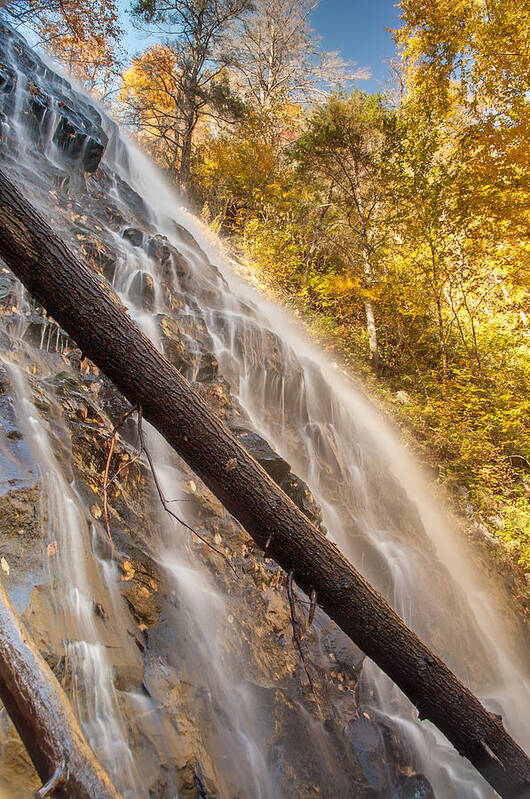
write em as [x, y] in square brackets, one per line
[312, 607]
[296, 634]
[268, 542]
[124, 466]
[180, 500]
[518, 457]
[106, 481]
[58, 777]
[163, 499]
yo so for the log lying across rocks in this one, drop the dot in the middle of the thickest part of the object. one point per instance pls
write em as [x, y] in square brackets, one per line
[43, 716]
[73, 294]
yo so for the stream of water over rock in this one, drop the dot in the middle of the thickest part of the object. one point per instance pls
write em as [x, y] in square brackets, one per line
[183, 673]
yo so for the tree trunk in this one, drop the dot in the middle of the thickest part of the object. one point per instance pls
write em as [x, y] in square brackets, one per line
[72, 293]
[372, 334]
[369, 311]
[190, 120]
[44, 718]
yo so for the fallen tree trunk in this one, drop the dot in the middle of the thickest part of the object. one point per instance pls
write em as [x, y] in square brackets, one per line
[44, 718]
[73, 294]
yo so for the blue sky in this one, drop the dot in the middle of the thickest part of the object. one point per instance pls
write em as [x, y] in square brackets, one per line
[356, 28]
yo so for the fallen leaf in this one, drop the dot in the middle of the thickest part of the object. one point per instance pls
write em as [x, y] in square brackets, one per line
[52, 549]
[5, 565]
[128, 571]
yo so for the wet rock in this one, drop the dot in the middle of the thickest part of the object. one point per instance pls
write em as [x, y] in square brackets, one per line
[261, 451]
[188, 238]
[22, 543]
[142, 289]
[115, 406]
[131, 199]
[415, 786]
[299, 492]
[347, 657]
[100, 256]
[79, 140]
[174, 343]
[39, 118]
[195, 327]
[8, 79]
[181, 265]
[185, 353]
[24, 57]
[205, 365]
[45, 333]
[7, 289]
[133, 236]
[16, 467]
[143, 602]
[159, 248]
[216, 393]
[18, 777]
[194, 784]
[219, 275]
[368, 744]
[277, 613]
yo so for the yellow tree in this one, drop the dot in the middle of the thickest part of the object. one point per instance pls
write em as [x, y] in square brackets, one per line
[150, 96]
[343, 153]
[195, 31]
[461, 187]
[475, 54]
[240, 170]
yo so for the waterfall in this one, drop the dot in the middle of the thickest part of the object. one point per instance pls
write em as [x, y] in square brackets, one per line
[181, 673]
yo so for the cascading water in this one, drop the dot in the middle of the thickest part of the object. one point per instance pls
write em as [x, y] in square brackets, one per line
[208, 700]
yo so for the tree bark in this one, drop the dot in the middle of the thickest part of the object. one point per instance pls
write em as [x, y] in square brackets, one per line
[73, 294]
[44, 718]
[369, 311]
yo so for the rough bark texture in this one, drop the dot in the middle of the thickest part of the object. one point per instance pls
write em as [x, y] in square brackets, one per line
[76, 297]
[43, 716]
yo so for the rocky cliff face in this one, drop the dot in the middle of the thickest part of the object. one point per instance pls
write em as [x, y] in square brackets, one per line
[182, 670]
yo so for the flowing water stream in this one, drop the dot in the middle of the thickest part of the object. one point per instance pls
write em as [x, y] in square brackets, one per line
[375, 503]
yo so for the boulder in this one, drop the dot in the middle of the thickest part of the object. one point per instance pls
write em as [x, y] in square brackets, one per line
[79, 140]
[261, 451]
[142, 289]
[133, 236]
[159, 248]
